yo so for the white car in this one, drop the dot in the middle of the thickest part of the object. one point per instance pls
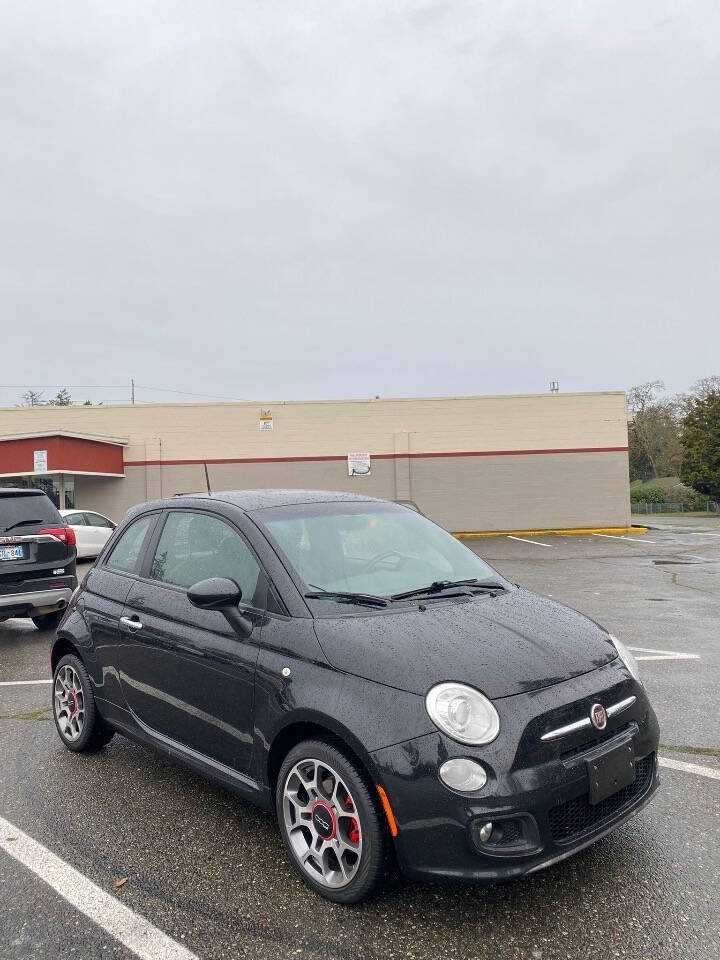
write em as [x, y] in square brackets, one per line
[92, 530]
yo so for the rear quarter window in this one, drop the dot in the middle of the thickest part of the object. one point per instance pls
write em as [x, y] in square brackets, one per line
[127, 552]
[75, 520]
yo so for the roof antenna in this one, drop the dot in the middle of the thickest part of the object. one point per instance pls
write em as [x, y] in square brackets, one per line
[207, 479]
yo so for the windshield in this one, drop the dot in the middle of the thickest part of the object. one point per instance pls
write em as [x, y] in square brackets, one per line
[378, 549]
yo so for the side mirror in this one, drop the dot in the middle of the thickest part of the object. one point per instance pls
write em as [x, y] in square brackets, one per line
[219, 593]
[214, 594]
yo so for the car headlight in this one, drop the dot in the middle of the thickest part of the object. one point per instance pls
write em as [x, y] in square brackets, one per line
[627, 658]
[463, 713]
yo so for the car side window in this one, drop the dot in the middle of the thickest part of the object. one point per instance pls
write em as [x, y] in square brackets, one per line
[127, 551]
[75, 520]
[195, 546]
[95, 520]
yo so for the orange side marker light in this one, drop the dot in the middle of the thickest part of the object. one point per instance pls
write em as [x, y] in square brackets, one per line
[388, 811]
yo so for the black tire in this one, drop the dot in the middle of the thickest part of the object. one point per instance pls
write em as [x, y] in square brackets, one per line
[49, 621]
[94, 733]
[370, 865]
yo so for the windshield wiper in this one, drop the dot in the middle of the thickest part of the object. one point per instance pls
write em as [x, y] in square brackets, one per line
[345, 596]
[439, 585]
[22, 523]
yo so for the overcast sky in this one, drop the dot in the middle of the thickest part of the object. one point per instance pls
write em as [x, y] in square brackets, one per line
[266, 200]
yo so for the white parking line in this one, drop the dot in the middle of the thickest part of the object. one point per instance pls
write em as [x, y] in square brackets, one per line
[663, 654]
[538, 543]
[122, 923]
[711, 772]
[616, 536]
[21, 683]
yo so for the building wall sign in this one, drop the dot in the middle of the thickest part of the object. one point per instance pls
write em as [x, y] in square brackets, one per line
[40, 461]
[358, 464]
[266, 420]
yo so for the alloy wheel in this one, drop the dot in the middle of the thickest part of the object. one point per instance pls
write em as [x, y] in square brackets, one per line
[322, 823]
[69, 703]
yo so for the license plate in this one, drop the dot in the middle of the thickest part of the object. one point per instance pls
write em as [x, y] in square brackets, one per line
[12, 553]
[611, 771]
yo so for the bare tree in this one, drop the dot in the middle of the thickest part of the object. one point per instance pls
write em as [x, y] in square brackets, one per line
[654, 432]
[32, 398]
[700, 390]
[642, 396]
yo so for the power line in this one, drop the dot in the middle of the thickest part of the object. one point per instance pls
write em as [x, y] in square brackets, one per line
[187, 393]
[67, 386]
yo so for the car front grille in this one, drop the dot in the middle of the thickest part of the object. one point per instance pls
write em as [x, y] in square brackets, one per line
[574, 817]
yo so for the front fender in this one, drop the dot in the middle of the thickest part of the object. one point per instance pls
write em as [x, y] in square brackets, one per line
[364, 714]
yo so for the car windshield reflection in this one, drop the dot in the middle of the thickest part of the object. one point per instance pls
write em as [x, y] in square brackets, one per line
[375, 549]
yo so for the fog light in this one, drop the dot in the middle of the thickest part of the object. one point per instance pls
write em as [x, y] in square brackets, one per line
[463, 775]
[486, 832]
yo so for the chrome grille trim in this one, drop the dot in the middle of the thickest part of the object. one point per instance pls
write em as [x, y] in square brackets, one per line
[611, 711]
[564, 731]
[617, 708]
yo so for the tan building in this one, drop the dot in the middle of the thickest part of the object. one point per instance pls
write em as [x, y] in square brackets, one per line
[470, 463]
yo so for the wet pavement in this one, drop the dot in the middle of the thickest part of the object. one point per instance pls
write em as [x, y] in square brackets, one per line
[210, 871]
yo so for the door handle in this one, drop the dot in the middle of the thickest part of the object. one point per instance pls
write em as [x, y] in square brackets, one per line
[133, 625]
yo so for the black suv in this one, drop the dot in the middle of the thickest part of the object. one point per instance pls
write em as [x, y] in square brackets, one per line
[37, 558]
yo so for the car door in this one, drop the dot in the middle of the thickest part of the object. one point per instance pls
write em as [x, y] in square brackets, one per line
[185, 673]
[99, 529]
[83, 537]
[102, 603]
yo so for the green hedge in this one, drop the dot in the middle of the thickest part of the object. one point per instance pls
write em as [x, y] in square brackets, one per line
[649, 495]
[654, 493]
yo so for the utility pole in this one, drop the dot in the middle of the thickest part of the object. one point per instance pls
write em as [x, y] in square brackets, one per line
[132, 392]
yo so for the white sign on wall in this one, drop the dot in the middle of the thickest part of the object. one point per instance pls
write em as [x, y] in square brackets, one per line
[40, 461]
[358, 464]
[266, 420]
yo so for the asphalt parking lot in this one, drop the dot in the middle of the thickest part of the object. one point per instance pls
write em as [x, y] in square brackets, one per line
[208, 870]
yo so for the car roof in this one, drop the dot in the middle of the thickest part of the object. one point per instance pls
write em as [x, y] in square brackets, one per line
[21, 492]
[250, 500]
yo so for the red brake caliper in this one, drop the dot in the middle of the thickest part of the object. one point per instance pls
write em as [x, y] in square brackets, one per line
[354, 832]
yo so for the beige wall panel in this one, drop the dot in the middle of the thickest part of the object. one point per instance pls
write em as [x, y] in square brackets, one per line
[113, 497]
[460, 493]
[523, 492]
[322, 475]
[110, 496]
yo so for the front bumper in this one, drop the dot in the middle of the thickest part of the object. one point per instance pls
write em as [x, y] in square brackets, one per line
[537, 793]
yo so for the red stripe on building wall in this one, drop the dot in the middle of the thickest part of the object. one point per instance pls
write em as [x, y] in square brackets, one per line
[375, 456]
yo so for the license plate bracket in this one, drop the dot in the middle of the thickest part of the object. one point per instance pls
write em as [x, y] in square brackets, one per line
[611, 771]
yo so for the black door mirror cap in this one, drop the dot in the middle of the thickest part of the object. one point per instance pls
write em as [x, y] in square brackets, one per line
[215, 593]
[223, 595]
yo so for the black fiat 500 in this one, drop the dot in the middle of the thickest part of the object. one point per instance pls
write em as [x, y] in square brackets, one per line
[348, 664]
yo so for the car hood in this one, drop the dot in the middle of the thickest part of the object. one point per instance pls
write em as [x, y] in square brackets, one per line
[510, 644]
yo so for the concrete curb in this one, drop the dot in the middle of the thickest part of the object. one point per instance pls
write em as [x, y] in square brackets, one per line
[574, 532]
